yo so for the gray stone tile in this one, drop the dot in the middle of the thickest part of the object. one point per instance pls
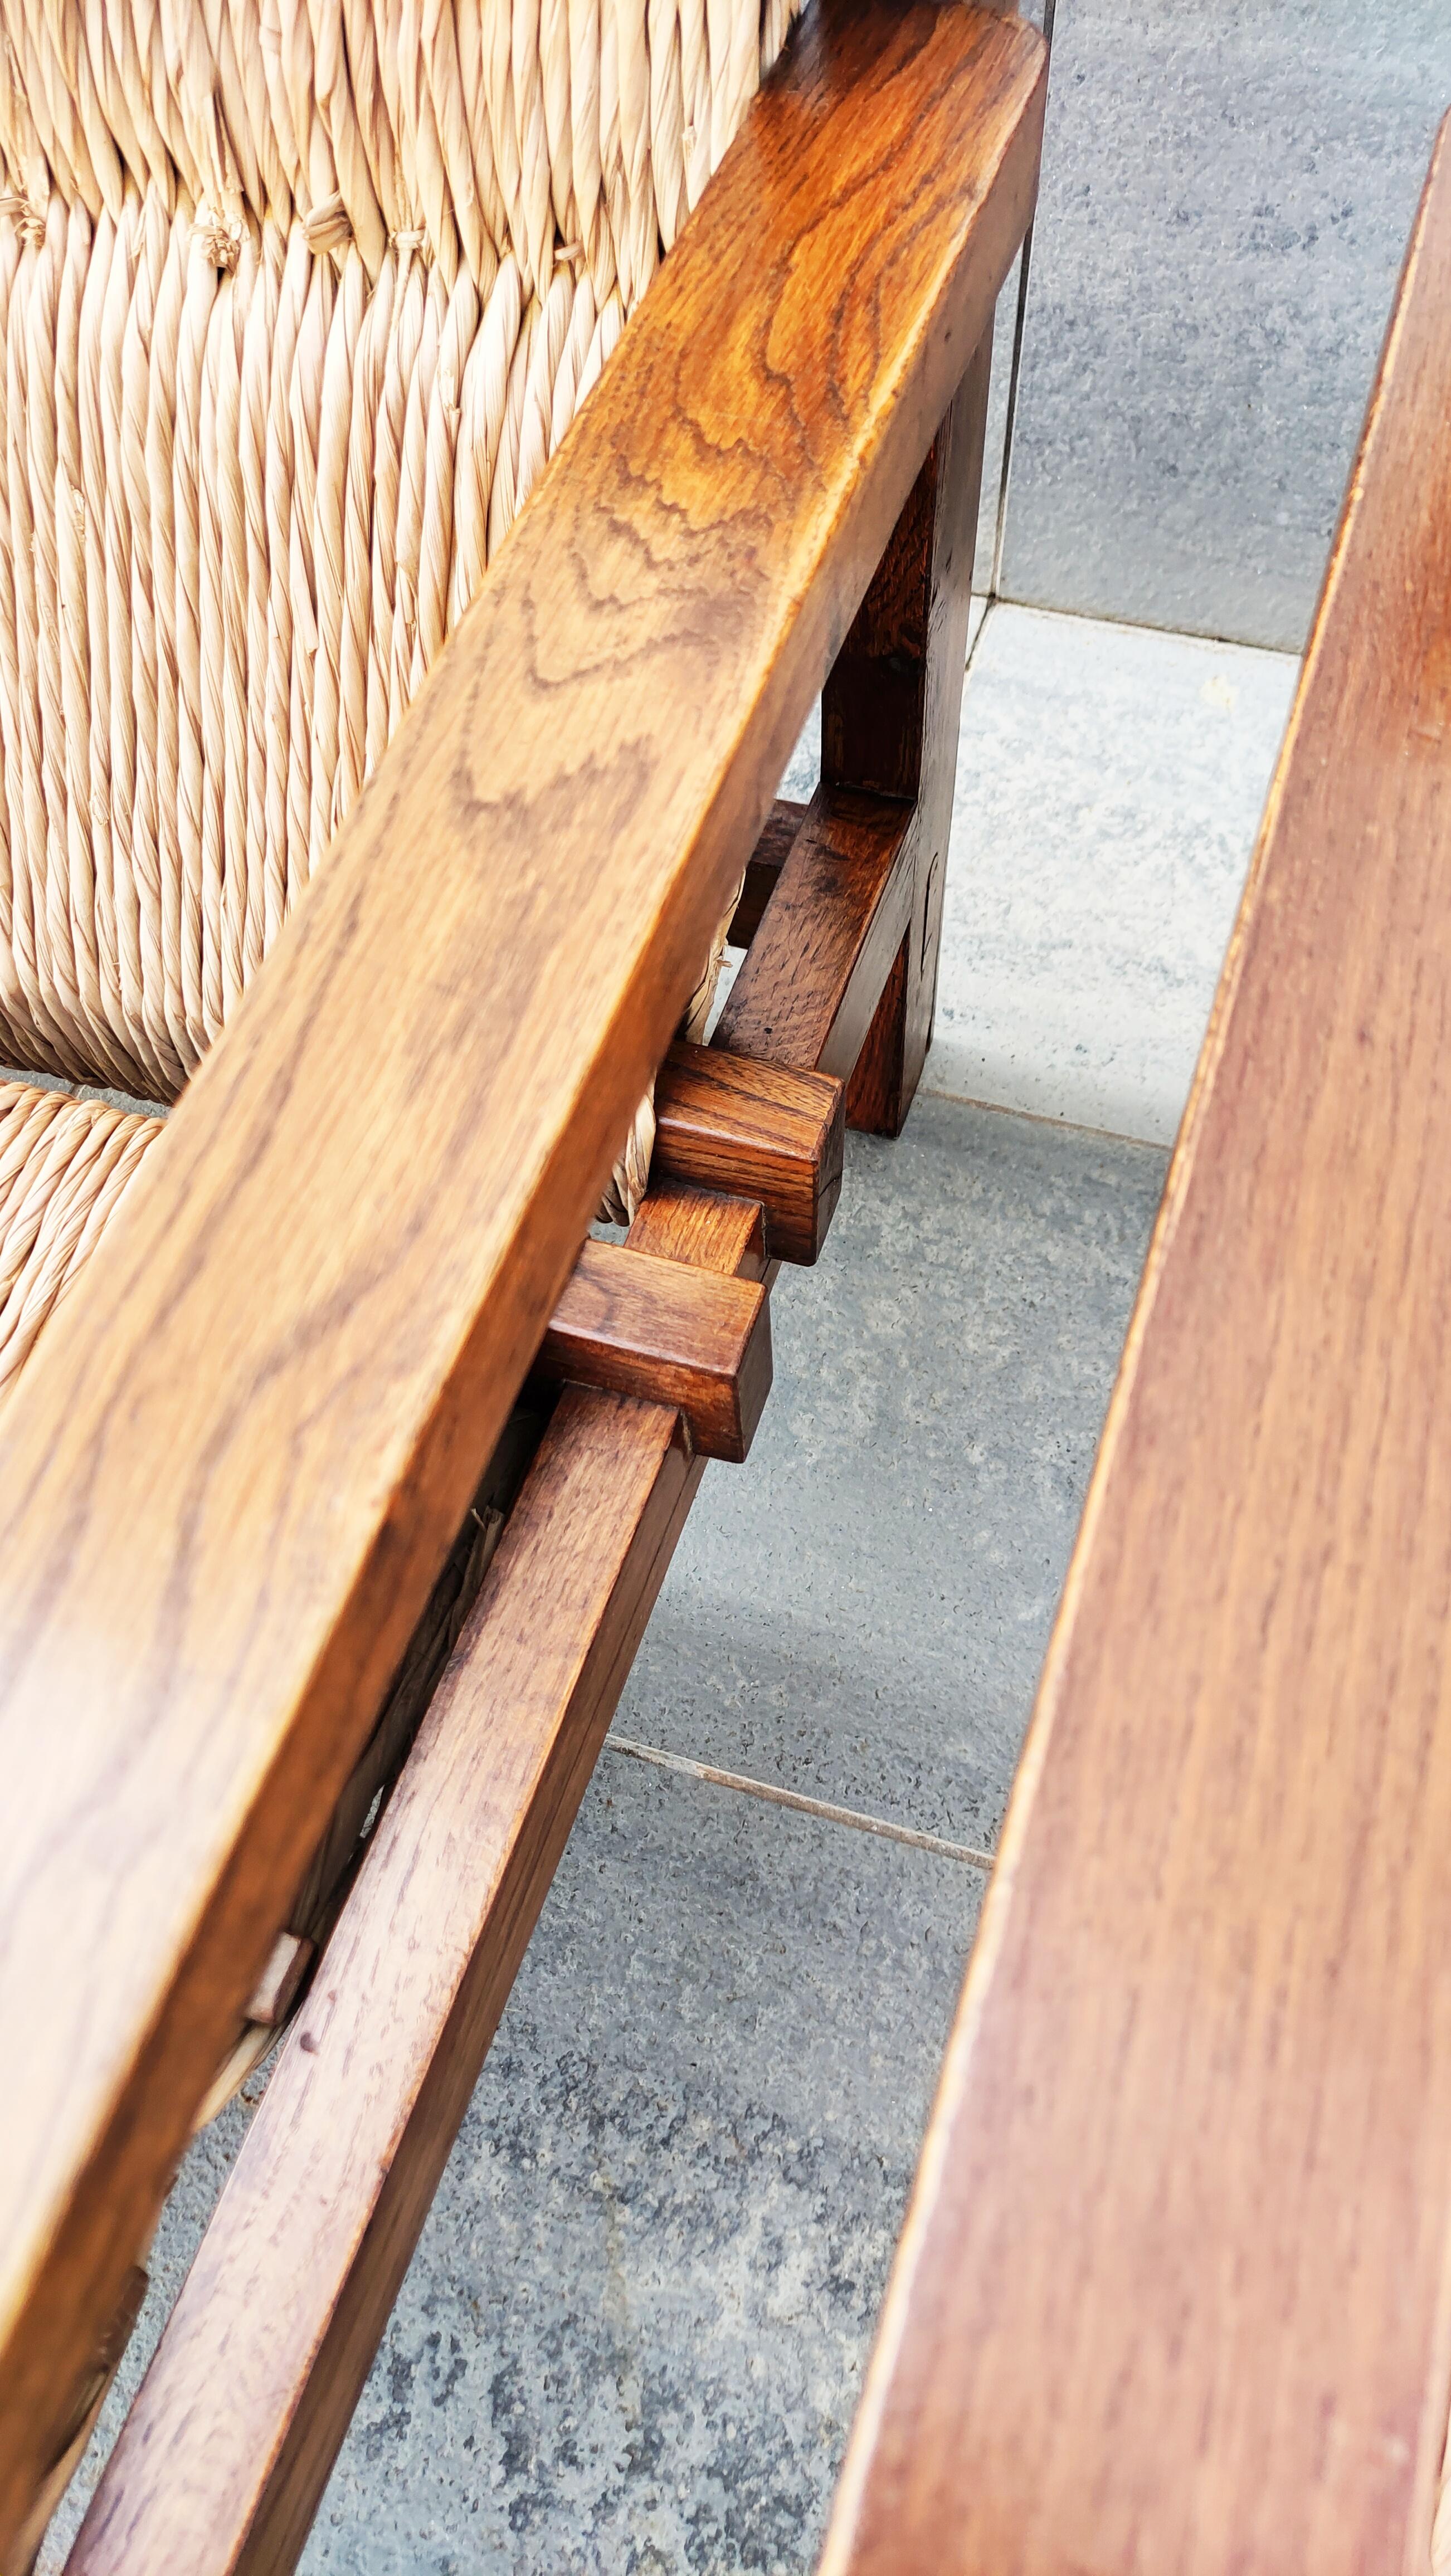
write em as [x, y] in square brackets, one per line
[633, 2333]
[1109, 790]
[859, 1613]
[1227, 193]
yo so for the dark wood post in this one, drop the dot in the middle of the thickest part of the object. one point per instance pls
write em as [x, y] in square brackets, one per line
[889, 722]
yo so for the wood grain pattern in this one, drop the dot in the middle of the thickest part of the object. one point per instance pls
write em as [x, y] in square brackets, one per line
[694, 1225]
[237, 1460]
[224, 2456]
[632, 1324]
[1174, 2291]
[812, 977]
[754, 1131]
[763, 868]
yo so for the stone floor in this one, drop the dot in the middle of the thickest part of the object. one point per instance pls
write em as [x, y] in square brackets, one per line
[1109, 787]
[633, 2334]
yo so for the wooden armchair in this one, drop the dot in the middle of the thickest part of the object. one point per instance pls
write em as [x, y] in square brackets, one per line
[301, 1391]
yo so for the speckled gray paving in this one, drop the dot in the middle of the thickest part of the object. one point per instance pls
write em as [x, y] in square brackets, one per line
[1110, 782]
[1228, 186]
[859, 1613]
[633, 2333]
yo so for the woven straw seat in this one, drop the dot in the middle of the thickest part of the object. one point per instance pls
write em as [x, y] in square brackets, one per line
[65, 1166]
[295, 304]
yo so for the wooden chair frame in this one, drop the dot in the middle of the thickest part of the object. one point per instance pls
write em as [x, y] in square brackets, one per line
[243, 1450]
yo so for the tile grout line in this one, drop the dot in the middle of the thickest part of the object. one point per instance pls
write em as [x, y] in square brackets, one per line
[1213, 642]
[1044, 1118]
[766, 1789]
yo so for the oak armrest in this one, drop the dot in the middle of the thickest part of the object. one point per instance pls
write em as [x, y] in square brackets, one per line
[238, 1458]
[1174, 2288]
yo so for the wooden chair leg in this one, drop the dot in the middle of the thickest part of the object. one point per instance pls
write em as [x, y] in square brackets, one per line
[889, 721]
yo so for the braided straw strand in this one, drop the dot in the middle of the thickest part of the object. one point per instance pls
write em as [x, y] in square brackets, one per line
[64, 1167]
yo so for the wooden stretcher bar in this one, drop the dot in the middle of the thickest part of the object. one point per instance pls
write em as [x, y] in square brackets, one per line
[1174, 2290]
[242, 1451]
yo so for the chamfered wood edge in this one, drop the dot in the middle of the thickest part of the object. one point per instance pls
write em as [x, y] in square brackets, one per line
[815, 971]
[763, 868]
[918, 2254]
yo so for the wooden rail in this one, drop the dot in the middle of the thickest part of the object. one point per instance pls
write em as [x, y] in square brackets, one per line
[240, 1455]
[1174, 2291]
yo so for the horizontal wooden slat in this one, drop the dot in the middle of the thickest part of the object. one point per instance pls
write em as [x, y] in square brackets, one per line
[239, 1455]
[1174, 2291]
[227, 2449]
[668, 1334]
[815, 971]
[763, 868]
[756, 1131]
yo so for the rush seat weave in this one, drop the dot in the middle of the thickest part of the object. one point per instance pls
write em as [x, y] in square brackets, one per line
[296, 301]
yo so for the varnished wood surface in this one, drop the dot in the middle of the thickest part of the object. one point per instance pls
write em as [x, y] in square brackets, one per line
[763, 868]
[229, 2444]
[190, 2484]
[843, 970]
[1174, 2290]
[814, 973]
[668, 1333]
[692, 1225]
[239, 1456]
[754, 1131]
[874, 1090]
